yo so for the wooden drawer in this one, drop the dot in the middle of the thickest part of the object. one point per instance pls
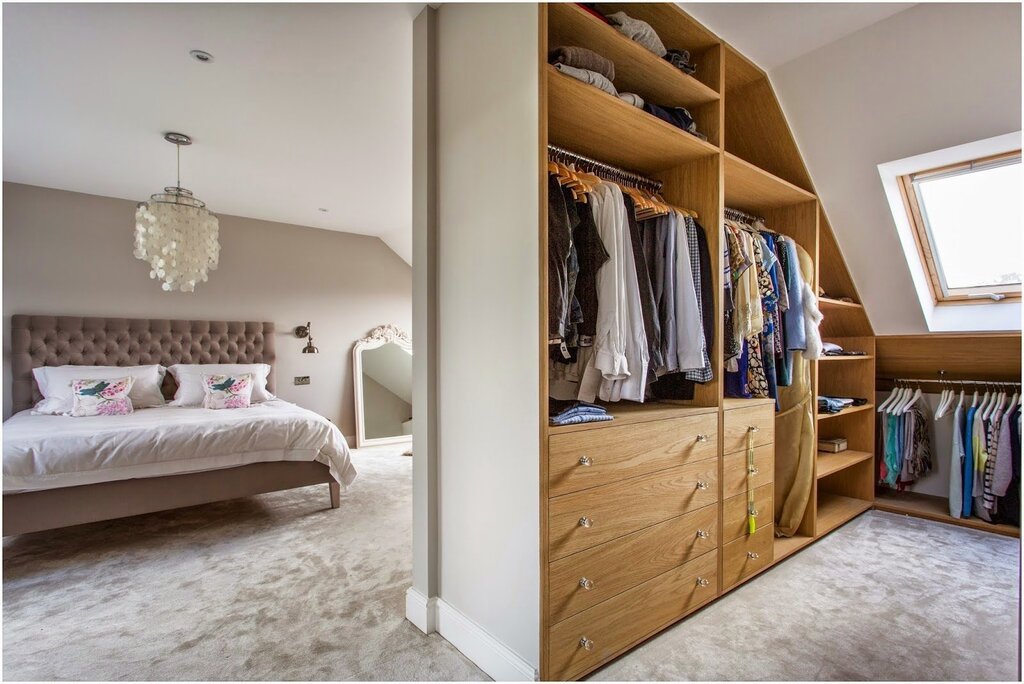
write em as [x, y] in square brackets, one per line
[734, 479]
[734, 513]
[610, 569]
[629, 617]
[584, 519]
[580, 460]
[747, 555]
[737, 423]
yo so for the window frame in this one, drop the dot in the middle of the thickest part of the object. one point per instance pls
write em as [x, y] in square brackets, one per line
[923, 240]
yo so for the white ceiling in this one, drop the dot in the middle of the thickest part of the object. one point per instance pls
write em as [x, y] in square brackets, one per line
[773, 33]
[305, 106]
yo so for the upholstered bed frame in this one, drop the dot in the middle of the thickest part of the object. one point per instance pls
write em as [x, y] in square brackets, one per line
[60, 340]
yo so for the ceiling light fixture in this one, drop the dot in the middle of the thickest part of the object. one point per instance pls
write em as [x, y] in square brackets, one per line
[176, 234]
[201, 56]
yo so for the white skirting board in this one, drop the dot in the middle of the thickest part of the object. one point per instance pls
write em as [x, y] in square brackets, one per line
[490, 655]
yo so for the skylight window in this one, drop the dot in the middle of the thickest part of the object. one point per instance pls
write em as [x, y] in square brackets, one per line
[966, 220]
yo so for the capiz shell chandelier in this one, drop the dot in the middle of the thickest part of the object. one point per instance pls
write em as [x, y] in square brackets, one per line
[176, 234]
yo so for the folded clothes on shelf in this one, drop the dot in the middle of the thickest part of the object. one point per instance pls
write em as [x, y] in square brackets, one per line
[828, 404]
[589, 77]
[638, 31]
[680, 59]
[582, 58]
[572, 412]
[633, 99]
[679, 117]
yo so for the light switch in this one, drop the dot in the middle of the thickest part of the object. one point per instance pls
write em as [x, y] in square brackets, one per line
[301, 379]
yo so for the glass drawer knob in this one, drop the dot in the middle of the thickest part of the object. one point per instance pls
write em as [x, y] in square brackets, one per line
[586, 522]
[703, 534]
[586, 461]
[754, 428]
[752, 555]
[753, 470]
[586, 644]
[587, 584]
[702, 438]
[701, 582]
[701, 484]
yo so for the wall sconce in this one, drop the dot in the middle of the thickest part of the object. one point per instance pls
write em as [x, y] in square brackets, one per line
[304, 331]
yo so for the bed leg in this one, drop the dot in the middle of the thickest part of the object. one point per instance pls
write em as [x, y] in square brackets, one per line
[335, 494]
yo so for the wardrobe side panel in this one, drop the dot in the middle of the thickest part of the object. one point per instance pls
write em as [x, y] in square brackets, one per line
[697, 186]
[488, 260]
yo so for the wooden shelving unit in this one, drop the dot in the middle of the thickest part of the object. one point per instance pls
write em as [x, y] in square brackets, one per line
[588, 120]
[835, 510]
[787, 546]
[751, 189]
[846, 412]
[827, 303]
[829, 463]
[830, 359]
[637, 70]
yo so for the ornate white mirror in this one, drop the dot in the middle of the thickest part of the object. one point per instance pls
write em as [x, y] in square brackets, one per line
[382, 374]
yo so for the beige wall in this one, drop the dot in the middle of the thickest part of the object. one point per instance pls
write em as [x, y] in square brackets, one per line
[69, 253]
[932, 77]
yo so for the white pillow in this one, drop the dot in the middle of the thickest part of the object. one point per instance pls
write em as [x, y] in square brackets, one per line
[192, 389]
[55, 384]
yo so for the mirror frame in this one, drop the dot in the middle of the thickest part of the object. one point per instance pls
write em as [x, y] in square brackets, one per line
[378, 337]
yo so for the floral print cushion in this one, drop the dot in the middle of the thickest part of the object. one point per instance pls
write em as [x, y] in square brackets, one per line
[227, 391]
[102, 397]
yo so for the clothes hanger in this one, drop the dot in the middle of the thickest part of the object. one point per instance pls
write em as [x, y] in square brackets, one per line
[892, 395]
[940, 409]
[985, 400]
[960, 405]
[913, 399]
[901, 396]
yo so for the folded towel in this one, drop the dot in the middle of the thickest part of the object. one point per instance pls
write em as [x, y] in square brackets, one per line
[633, 99]
[638, 31]
[590, 77]
[582, 58]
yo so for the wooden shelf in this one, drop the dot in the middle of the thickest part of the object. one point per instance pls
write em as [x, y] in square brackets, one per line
[626, 413]
[834, 510]
[846, 411]
[751, 189]
[934, 508]
[637, 70]
[847, 358]
[587, 120]
[787, 546]
[829, 463]
[829, 303]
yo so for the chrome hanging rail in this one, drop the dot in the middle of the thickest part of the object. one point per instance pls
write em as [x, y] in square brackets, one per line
[950, 381]
[602, 170]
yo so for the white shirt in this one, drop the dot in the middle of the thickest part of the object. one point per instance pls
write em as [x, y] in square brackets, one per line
[618, 368]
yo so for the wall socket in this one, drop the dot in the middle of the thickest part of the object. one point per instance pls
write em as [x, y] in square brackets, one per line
[301, 379]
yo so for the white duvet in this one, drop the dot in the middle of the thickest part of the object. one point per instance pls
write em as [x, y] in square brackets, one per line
[45, 452]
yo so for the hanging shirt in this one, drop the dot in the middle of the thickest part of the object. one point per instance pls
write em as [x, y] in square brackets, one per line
[611, 330]
[968, 462]
[956, 466]
[689, 326]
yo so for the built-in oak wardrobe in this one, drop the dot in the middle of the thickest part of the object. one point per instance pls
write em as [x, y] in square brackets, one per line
[644, 518]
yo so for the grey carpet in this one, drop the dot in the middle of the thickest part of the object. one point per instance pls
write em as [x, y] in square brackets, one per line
[885, 597]
[279, 587]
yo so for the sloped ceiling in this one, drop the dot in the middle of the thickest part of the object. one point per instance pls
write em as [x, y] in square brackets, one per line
[773, 33]
[306, 106]
[931, 77]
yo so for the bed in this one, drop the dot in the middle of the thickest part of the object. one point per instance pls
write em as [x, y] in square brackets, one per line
[61, 471]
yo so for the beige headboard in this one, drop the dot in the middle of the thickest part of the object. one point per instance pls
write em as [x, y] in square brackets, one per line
[61, 340]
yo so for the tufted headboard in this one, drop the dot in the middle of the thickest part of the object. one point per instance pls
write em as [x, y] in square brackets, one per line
[61, 340]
